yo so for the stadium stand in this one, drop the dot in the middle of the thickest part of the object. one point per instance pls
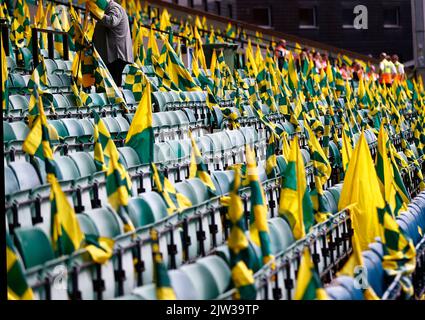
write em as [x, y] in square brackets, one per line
[236, 190]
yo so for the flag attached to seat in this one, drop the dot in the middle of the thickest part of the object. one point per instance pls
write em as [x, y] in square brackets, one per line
[17, 286]
[241, 258]
[258, 228]
[308, 285]
[399, 250]
[164, 291]
[322, 171]
[295, 202]
[361, 191]
[198, 168]
[65, 231]
[393, 193]
[175, 201]
[4, 78]
[118, 189]
[140, 135]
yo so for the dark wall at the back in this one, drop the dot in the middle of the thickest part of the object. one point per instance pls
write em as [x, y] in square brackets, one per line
[329, 29]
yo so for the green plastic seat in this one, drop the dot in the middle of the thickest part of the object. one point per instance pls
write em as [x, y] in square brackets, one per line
[129, 97]
[162, 152]
[60, 102]
[203, 281]
[51, 66]
[336, 192]
[187, 190]
[10, 181]
[182, 285]
[200, 189]
[60, 128]
[248, 134]
[54, 81]
[222, 181]
[20, 130]
[123, 124]
[19, 102]
[97, 100]
[112, 125]
[140, 213]
[281, 163]
[283, 232]
[66, 80]
[107, 222]
[220, 271]
[130, 157]
[34, 246]
[146, 292]
[84, 163]
[8, 134]
[87, 225]
[72, 100]
[73, 127]
[179, 149]
[17, 81]
[25, 174]
[87, 126]
[333, 206]
[148, 207]
[67, 168]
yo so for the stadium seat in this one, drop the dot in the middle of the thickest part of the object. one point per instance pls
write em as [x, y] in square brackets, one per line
[34, 246]
[148, 208]
[107, 222]
[202, 280]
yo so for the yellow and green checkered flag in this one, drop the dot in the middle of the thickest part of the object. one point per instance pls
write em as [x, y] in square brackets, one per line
[228, 113]
[17, 286]
[97, 7]
[39, 76]
[271, 159]
[164, 291]
[258, 229]
[118, 189]
[308, 285]
[399, 250]
[134, 81]
[241, 258]
[118, 182]
[105, 83]
[177, 71]
[295, 202]
[175, 201]
[390, 182]
[4, 79]
[55, 22]
[21, 30]
[347, 146]
[322, 171]
[140, 134]
[419, 135]
[198, 168]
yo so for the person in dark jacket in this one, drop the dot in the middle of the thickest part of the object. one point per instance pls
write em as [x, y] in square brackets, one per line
[112, 39]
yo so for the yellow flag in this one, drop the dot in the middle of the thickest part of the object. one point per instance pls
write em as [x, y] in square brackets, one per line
[361, 190]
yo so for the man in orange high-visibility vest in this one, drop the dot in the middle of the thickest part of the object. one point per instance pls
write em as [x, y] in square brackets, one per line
[399, 67]
[387, 70]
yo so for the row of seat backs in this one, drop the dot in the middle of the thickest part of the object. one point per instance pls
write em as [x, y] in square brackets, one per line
[71, 127]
